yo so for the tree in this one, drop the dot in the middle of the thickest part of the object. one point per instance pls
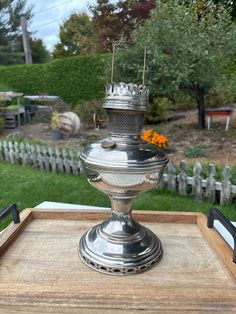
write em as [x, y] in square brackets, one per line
[76, 37]
[39, 52]
[231, 4]
[187, 49]
[115, 20]
[106, 24]
[10, 31]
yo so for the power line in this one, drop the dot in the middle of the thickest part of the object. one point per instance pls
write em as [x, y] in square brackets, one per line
[42, 25]
[48, 8]
[53, 6]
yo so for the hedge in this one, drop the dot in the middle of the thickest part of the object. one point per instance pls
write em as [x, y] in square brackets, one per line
[72, 79]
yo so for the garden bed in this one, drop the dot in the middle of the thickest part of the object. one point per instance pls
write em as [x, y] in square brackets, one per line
[186, 141]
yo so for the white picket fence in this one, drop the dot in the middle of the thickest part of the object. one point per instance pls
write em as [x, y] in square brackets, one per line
[174, 179]
[177, 179]
[41, 157]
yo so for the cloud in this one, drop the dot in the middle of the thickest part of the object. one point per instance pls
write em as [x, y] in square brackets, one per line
[48, 16]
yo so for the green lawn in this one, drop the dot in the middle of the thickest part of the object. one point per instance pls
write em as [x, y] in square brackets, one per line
[28, 187]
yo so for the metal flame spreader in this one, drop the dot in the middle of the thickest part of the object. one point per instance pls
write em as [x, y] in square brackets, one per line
[122, 166]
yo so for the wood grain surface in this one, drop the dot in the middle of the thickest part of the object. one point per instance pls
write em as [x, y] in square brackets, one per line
[40, 272]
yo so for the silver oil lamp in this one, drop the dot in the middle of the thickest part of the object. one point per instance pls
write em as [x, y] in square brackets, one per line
[122, 166]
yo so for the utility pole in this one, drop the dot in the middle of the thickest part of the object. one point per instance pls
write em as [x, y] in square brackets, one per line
[26, 44]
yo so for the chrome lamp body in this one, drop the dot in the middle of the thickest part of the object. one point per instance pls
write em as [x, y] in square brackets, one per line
[122, 166]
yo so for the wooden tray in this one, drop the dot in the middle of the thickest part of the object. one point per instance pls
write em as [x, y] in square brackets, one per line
[40, 271]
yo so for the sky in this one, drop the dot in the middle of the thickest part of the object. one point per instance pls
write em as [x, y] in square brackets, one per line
[50, 14]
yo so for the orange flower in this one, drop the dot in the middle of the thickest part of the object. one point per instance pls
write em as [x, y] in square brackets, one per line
[155, 138]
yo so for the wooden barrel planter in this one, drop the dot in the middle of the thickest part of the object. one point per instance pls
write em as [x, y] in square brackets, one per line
[13, 117]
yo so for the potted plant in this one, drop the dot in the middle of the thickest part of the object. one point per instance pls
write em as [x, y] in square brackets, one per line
[55, 126]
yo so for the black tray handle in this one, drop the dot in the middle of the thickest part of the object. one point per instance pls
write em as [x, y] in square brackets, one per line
[216, 214]
[12, 208]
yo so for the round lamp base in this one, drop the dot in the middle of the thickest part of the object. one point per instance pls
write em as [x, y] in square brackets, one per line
[120, 246]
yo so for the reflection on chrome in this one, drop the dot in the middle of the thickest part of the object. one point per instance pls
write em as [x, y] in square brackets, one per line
[122, 166]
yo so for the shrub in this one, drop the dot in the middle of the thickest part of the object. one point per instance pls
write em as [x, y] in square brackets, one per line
[195, 151]
[159, 109]
[4, 87]
[224, 92]
[182, 102]
[86, 111]
[55, 122]
[223, 96]
[72, 79]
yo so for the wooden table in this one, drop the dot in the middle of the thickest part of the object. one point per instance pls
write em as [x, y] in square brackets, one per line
[224, 111]
[41, 272]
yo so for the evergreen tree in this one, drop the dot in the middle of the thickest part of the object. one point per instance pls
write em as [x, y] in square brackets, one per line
[10, 30]
[39, 52]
